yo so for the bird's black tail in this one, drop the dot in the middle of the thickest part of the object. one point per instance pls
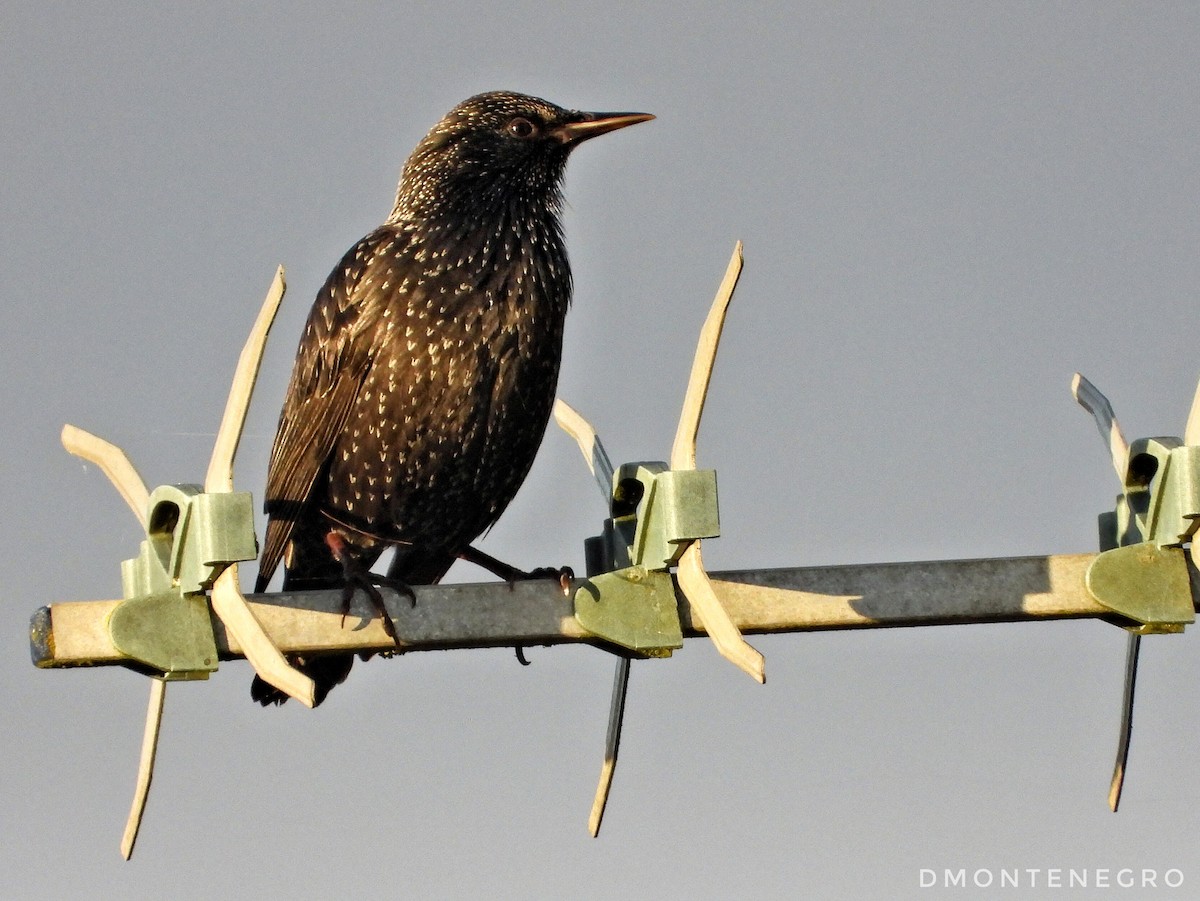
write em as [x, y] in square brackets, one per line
[325, 671]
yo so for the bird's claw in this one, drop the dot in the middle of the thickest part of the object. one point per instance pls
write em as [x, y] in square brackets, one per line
[367, 582]
[397, 586]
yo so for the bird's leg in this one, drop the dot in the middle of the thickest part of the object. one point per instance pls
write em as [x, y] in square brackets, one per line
[357, 576]
[510, 574]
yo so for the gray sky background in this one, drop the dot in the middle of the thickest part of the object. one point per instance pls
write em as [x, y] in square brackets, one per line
[947, 209]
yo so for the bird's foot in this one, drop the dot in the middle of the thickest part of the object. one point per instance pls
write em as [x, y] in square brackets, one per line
[358, 577]
[561, 574]
[510, 574]
[366, 582]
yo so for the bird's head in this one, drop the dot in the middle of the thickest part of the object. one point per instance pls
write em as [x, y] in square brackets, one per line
[497, 149]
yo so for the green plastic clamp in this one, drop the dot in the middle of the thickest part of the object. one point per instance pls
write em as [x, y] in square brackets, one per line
[164, 623]
[1146, 585]
[1142, 573]
[633, 607]
[170, 633]
[629, 598]
[656, 512]
[191, 537]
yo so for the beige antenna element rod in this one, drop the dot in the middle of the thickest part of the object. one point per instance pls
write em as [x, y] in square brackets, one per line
[226, 596]
[691, 574]
[692, 579]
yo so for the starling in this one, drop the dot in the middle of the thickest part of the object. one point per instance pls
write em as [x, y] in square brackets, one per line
[426, 373]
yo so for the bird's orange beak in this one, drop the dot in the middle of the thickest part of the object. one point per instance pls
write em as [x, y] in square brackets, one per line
[589, 125]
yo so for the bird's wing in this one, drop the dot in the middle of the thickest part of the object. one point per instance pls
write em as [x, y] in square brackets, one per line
[332, 361]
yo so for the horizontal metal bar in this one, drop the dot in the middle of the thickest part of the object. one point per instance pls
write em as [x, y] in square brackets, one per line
[531, 613]
[932, 593]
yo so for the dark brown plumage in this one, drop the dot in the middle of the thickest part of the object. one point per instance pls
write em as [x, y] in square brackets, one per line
[426, 373]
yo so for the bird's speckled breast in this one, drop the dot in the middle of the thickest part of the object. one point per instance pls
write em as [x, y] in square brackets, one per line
[459, 389]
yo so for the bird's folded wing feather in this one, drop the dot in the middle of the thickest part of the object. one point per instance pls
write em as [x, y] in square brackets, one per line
[334, 357]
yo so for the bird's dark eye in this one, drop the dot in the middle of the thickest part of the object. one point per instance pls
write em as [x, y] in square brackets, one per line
[521, 128]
